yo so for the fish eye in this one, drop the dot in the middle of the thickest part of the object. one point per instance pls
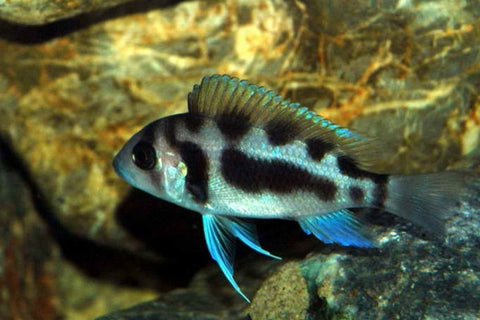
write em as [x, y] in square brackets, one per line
[144, 156]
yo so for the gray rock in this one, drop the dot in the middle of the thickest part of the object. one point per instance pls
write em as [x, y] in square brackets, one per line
[407, 278]
[411, 275]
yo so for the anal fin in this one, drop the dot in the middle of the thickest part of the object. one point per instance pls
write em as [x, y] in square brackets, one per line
[220, 233]
[337, 227]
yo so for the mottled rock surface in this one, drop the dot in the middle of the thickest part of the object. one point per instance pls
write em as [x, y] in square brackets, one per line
[406, 278]
[36, 281]
[69, 103]
[207, 297]
[26, 252]
[284, 296]
[72, 92]
[34, 12]
[178, 305]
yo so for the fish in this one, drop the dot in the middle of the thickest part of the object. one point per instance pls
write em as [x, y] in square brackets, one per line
[243, 152]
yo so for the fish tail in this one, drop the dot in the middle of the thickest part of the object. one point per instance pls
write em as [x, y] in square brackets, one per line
[427, 199]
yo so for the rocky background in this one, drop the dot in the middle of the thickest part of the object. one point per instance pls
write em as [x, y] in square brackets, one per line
[78, 78]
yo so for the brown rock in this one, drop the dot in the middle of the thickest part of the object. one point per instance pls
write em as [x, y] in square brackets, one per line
[283, 296]
[44, 11]
[27, 274]
[407, 72]
[36, 281]
[70, 103]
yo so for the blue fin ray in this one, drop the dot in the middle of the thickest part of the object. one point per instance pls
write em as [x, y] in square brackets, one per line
[337, 227]
[220, 234]
[222, 249]
[247, 233]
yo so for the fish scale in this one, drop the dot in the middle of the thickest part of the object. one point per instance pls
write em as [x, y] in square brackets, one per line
[242, 151]
[251, 145]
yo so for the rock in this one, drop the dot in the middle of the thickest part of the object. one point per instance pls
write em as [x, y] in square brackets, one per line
[68, 116]
[407, 278]
[27, 284]
[70, 103]
[282, 296]
[180, 304]
[40, 12]
[71, 93]
[207, 297]
[36, 281]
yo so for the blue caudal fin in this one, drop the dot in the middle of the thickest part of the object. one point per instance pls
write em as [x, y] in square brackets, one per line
[337, 227]
[220, 234]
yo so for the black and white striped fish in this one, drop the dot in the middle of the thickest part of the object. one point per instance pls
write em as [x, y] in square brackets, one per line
[244, 152]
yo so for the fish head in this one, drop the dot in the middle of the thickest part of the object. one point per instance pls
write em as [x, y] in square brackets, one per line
[149, 163]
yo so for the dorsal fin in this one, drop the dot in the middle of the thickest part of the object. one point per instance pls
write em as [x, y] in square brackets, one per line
[220, 95]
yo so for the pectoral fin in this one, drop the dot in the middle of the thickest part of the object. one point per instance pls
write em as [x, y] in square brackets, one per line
[247, 233]
[220, 234]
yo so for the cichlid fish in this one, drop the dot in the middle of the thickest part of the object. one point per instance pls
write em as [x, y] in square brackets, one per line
[244, 152]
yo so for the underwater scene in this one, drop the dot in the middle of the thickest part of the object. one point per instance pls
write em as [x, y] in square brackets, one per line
[239, 159]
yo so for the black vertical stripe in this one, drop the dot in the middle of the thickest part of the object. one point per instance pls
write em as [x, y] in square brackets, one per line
[317, 148]
[148, 133]
[356, 194]
[233, 127]
[196, 161]
[380, 193]
[281, 132]
[193, 122]
[349, 168]
[170, 134]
